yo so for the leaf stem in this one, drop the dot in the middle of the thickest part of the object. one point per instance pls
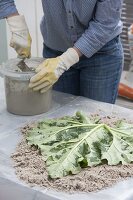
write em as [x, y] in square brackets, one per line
[75, 126]
[120, 131]
[85, 137]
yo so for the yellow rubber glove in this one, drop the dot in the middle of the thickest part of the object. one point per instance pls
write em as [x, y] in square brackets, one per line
[21, 40]
[51, 69]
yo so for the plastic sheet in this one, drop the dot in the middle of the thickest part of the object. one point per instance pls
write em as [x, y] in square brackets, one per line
[12, 188]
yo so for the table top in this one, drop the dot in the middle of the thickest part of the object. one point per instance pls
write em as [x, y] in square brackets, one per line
[10, 136]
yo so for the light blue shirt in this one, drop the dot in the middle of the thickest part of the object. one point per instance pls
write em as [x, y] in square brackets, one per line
[7, 7]
[85, 24]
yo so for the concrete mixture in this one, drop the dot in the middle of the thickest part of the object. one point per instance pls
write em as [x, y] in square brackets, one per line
[20, 99]
[23, 101]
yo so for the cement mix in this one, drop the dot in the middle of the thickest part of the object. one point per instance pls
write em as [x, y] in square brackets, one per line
[19, 98]
[23, 101]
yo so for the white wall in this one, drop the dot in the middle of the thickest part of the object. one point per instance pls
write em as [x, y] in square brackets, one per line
[32, 10]
[3, 41]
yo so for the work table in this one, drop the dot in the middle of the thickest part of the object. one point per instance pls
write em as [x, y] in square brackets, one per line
[10, 134]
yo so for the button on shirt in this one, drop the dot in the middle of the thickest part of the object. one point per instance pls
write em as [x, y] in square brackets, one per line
[85, 24]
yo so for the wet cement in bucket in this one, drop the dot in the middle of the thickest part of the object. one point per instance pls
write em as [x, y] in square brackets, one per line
[23, 101]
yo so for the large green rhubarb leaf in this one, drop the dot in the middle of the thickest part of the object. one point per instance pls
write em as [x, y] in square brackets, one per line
[71, 143]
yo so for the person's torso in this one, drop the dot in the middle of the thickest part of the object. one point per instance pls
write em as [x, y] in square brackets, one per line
[65, 21]
[82, 10]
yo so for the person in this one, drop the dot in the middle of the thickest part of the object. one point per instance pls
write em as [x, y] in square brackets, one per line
[81, 43]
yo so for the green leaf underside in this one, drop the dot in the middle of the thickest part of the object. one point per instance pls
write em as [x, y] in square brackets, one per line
[71, 143]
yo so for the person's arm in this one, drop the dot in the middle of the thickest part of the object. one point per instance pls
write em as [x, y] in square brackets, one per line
[104, 23]
[7, 8]
[20, 40]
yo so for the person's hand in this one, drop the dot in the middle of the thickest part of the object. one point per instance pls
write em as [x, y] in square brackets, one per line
[21, 40]
[51, 69]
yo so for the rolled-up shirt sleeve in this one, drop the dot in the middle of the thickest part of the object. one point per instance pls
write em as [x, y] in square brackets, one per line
[100, 29]
[7, 7]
